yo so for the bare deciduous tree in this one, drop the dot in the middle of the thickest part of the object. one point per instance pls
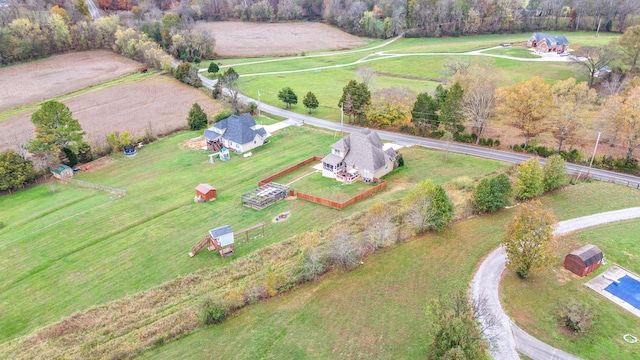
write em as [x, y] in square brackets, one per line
[479, 101]
[367, 75]
[613, 84]
[379, 229]
[593, 58]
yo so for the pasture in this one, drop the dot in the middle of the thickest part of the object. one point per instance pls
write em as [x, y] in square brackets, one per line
[62, 247]
[379, 309]
[413, 63]
[533, 304]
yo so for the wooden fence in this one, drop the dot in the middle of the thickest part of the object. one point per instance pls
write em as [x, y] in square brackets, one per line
[99, 187]
[318, 200]
[335, 204]
[288, 170]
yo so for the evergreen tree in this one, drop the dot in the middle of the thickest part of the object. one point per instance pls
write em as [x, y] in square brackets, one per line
[425, 111]
[14, 170]
[492, 194]
[197, 119]
[451, 112]
[554, 173]
[55, 129]
[357, 96]
[213, 68]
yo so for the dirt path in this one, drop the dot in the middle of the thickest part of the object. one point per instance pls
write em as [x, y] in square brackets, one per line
[508, 339]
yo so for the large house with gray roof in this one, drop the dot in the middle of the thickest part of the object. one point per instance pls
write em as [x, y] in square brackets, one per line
[359, 155]
[548, 43]
[237, 132]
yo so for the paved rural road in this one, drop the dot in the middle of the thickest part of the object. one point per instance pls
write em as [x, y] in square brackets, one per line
[407, 140]
[508, 339]
[93, 9]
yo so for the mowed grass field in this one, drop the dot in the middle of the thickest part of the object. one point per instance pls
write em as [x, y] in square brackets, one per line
[413, 63]
[71, 249]
[378, 311]
[533, 304]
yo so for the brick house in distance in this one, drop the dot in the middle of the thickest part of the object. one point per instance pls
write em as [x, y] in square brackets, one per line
[546, 43]
[359, 155]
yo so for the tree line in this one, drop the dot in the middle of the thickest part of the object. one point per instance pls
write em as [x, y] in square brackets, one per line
[28, 33]
[418, 18]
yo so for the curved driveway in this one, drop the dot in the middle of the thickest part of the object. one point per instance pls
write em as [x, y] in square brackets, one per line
[506, 337]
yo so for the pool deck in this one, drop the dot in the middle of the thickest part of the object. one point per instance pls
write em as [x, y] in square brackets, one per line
[600, 282]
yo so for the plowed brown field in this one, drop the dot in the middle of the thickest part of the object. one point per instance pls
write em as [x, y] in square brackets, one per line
[157, 101]
[248, 39]
[58, 75]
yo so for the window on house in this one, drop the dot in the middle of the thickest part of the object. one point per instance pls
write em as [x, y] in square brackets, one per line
[336, 151]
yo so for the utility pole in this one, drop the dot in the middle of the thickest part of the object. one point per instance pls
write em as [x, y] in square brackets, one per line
[258, 102]
[341, 120]
[594, 152]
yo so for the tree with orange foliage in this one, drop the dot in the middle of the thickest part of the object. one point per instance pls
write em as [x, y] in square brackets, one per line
[526, 105]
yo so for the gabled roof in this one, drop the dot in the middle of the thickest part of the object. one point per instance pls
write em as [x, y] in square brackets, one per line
[551, 40]
[342, 145]
[239, 128]
[589, 254]
[204, 188]
[211, 135]
[365, 150]
[220, 231]
[332, 159]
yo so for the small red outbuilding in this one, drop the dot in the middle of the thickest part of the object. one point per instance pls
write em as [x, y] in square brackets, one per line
[205, 192]
[584, 260]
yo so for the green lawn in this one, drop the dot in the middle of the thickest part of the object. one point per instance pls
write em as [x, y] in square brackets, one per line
[71, 249]
[517, 51]
[417, 71]
[378, 310]
[533, 303]
[374, 312]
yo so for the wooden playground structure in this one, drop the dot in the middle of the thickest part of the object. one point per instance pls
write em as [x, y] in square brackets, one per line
[222, 240]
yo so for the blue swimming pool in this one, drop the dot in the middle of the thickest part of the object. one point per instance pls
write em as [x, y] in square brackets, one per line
[628, 290]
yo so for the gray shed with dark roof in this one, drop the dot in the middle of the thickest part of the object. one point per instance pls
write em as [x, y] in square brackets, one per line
[584, 260]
